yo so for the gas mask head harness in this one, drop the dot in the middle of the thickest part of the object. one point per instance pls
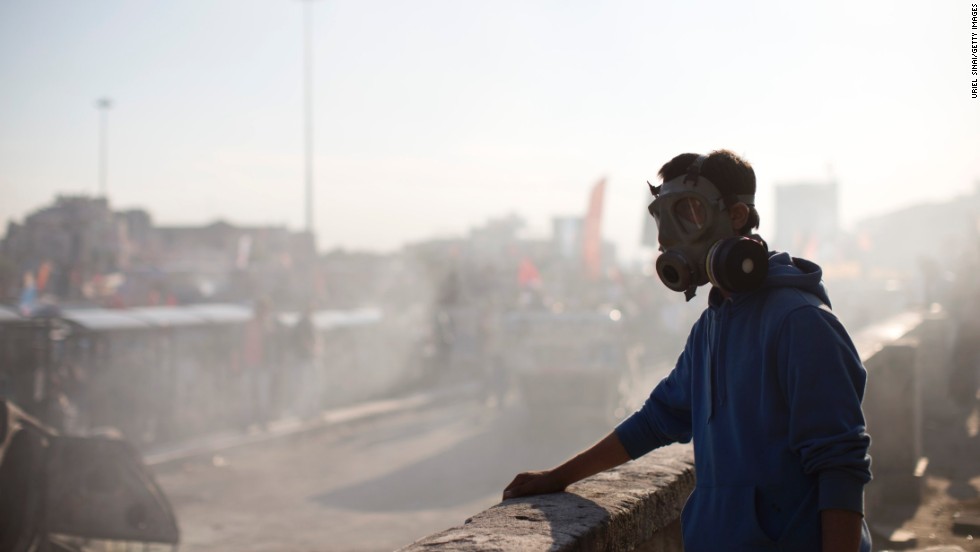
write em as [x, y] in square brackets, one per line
[697, 241]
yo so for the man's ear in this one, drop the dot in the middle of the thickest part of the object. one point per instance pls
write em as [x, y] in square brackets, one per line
[740, 215]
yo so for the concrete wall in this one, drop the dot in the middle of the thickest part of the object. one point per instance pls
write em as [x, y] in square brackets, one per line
[633, 507]
[907, 358]
[637, 506]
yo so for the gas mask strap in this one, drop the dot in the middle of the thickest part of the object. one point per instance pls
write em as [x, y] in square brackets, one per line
[654, 190]
[694, 171]
[728, 199]
[690, 292]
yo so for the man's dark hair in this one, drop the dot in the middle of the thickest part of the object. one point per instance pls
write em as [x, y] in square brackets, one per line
[728, 172]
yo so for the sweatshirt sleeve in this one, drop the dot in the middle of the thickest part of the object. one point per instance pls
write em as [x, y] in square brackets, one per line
[823, 380]
[665, 417]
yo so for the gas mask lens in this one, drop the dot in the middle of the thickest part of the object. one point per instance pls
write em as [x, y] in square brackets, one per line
[691, 214]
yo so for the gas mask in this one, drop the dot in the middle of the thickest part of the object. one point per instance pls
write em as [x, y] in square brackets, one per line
[697, 240]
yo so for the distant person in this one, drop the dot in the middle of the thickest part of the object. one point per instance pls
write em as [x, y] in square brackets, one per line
[964, 381]
[769, 385]
[260, 336]
[306, 385]
[491, 354]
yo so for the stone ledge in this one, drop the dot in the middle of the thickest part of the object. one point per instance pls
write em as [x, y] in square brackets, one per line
[617, 510]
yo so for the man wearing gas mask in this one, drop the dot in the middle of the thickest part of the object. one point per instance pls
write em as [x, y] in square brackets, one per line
[769, 385]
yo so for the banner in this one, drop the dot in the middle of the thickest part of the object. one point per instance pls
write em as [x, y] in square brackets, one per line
[591, 233]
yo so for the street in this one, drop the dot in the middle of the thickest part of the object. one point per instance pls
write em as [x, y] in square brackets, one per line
[372, 485]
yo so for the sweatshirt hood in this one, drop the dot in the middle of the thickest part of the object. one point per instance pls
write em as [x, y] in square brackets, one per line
[785, 271]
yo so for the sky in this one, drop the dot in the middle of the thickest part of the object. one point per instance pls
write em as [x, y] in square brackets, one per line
[433, 116]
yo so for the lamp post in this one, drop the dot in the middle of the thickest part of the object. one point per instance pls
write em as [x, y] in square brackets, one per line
[308, 108]
[310, 296]
[103, 105]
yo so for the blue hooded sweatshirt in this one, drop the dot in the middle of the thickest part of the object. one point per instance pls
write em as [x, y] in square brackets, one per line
[769, 387]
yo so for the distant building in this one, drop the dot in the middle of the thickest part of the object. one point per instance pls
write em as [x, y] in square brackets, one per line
[229, 262]
[896, 241]
[79, 250]
[566, 235]
[807, 219]
[70, 245]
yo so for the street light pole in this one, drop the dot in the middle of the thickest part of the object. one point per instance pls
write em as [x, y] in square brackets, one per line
[103, 105]
[308, 107]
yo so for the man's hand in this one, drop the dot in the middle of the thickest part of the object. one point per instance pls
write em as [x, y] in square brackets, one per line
[533, 483]
[841, 530]
[607, 453]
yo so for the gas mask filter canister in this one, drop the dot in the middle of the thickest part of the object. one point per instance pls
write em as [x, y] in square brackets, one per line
[738, 264]
[697, 239]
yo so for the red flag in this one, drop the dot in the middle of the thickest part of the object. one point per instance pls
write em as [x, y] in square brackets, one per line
[528, 275]
[43, 273]
[591, 234]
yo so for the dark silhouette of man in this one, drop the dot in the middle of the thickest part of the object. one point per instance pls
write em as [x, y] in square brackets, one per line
[768, 387]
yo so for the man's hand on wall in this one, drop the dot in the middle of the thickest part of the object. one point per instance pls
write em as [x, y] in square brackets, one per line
[533, 483]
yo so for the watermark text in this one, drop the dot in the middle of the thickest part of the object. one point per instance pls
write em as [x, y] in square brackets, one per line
[973, 50]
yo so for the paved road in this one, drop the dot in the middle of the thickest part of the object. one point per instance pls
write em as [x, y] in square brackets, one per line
[373, 485]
